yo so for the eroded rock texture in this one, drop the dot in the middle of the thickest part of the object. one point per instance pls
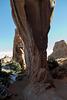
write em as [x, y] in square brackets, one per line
[33, 18]
[18, 50]
[59, 50]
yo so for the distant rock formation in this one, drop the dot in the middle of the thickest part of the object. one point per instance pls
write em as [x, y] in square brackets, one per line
[18, 50]
[59, 50]
[6, 59]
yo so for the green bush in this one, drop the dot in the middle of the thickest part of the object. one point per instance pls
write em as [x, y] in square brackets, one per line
[15, 66]
[52, 64]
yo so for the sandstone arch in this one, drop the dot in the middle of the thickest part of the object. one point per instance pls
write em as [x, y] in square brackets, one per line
[33, 18]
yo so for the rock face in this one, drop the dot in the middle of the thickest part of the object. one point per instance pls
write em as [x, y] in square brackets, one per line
[59, 50]
[33, 23]
[33, 18]
[18, 50]
[6, 59]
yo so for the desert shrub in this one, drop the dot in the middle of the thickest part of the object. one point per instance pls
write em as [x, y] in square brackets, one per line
[52, 64]
[15, 66]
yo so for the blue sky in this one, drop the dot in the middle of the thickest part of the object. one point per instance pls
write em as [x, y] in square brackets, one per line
[7, 26]
[58, 29]
[57, 32]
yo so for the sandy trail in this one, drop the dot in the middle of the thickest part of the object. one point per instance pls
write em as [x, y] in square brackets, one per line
[18, 86]
[61, 88]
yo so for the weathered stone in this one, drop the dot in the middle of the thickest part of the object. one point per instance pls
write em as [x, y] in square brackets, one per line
[33, 18]
[41, 74]
[18, 50]
[59, 50]
[33, 23]
[41, 94]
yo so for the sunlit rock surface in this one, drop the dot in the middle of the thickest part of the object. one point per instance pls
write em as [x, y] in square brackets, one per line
[59, 50]
[18, 50]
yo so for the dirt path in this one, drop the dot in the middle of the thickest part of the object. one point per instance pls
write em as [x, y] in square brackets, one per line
[61, 88]
[18, 86]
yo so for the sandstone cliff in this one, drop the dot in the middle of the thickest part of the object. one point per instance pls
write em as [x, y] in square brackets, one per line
[33, 19]
[18, 50]
[59, 50]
